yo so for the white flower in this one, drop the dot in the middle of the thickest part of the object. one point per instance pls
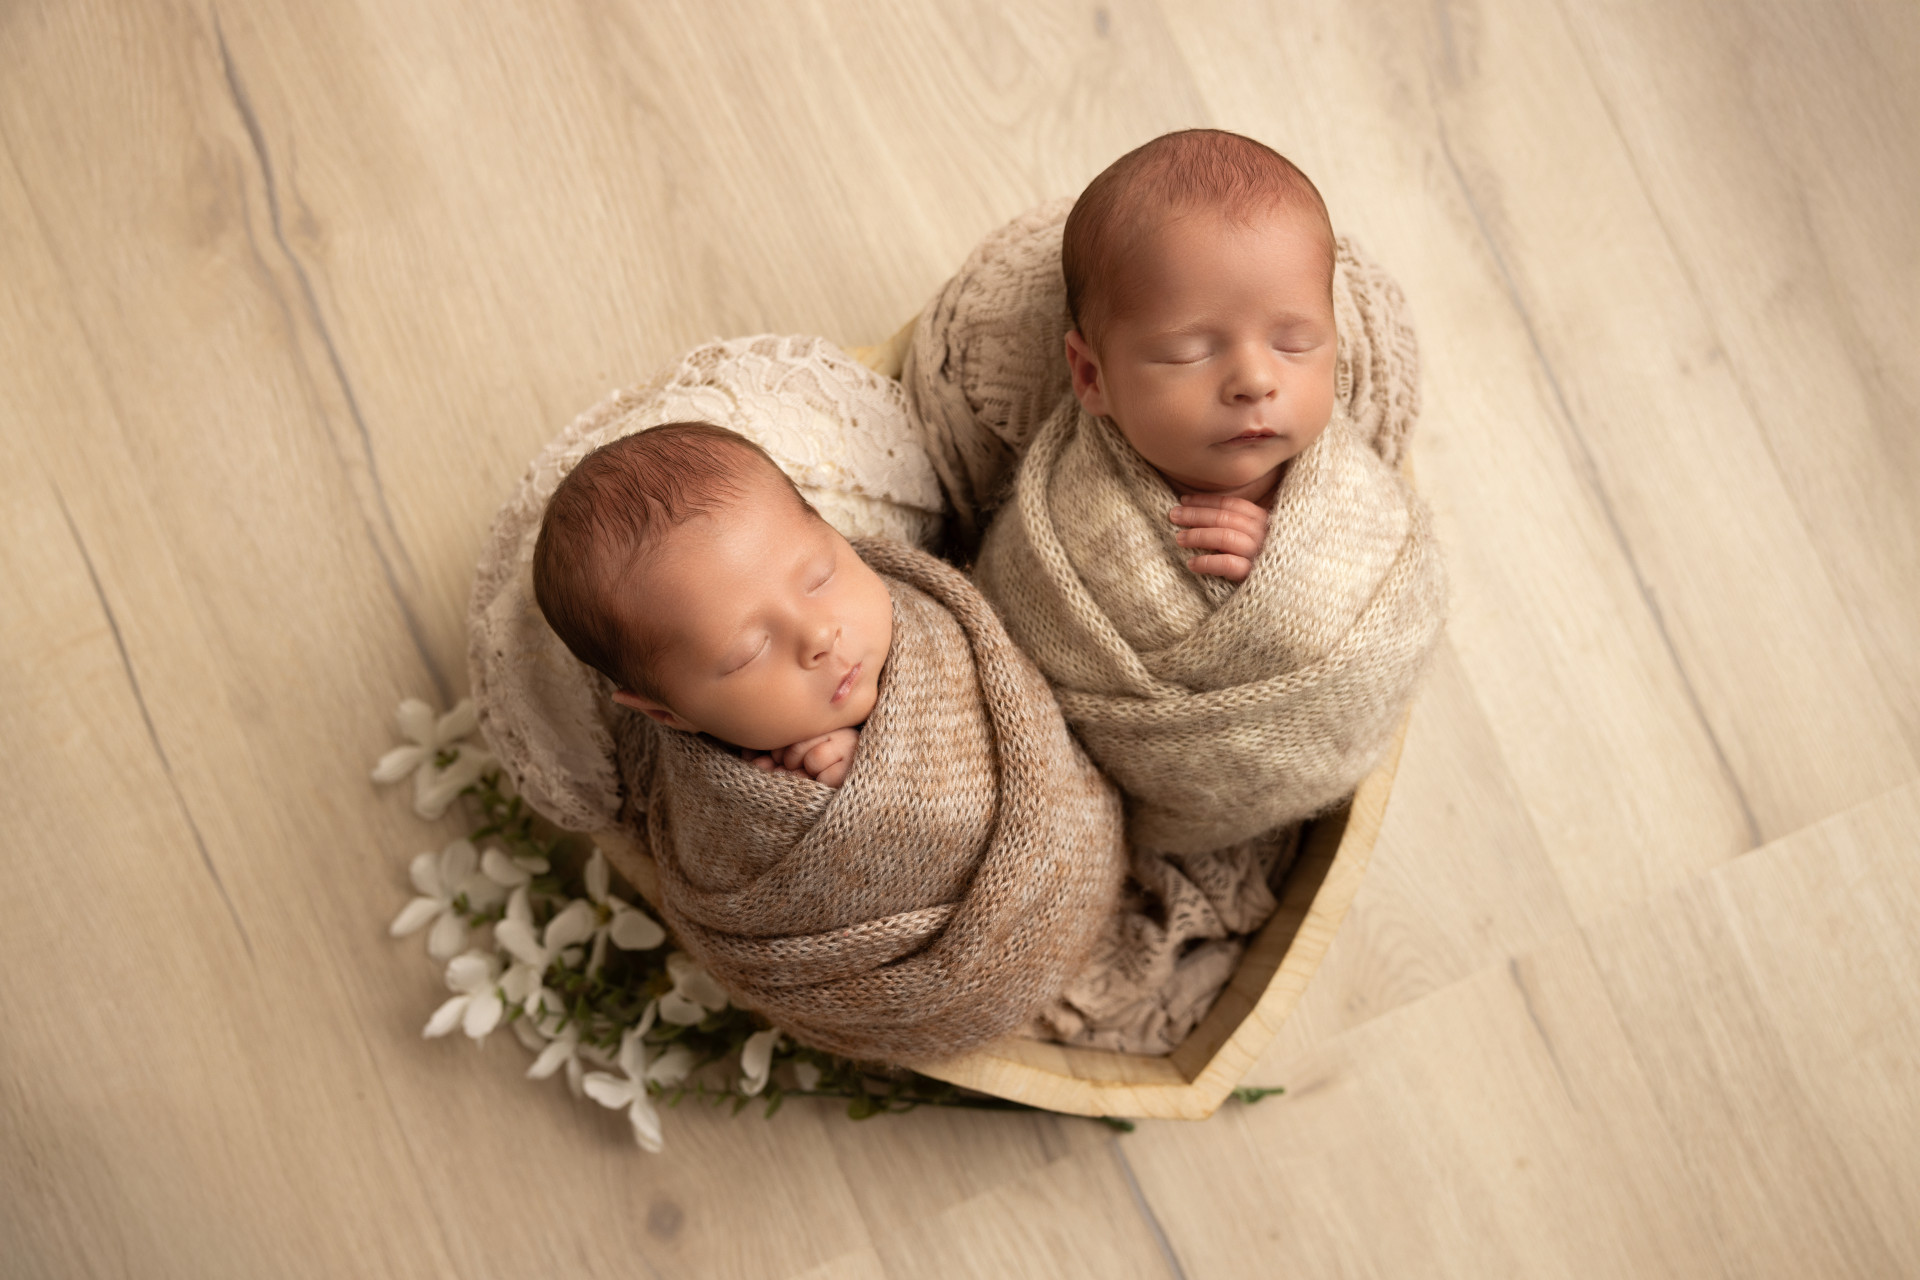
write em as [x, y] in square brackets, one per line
[434, 787]
[476, 1007]
[442, 879]
[630, 928]
[512, 872]
[695, 994]
[806, 1075]
[631, 1092]
[525, 983]
[565, 1049]
[756, 1061]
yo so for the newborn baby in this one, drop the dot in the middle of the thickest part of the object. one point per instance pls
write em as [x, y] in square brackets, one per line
[1199, 274]
[683, 564]
[1231, 591]
[902, 902]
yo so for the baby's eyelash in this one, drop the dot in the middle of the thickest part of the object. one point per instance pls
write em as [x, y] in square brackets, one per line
[744, 662]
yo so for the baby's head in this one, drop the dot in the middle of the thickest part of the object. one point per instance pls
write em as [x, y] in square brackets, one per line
[1200, 277]
[683, 564]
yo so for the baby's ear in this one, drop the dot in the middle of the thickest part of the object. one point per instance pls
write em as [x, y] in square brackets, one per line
[1085, 366]
[656, 711]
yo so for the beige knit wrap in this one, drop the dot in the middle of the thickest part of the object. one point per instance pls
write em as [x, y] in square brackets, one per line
[943, 894]
[988, 363]
[1223, 712]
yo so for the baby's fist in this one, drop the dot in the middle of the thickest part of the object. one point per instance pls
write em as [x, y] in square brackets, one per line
[1229, 533]
[825, 759]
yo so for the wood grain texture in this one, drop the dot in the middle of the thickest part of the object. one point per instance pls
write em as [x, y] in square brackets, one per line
[293, 292]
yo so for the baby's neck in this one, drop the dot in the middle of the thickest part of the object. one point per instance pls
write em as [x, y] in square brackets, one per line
[1258, 491]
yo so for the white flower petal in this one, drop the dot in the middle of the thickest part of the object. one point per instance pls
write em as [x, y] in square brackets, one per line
[596, 1055]
[424, 872]
[521, 984]
[470, 972]
[599, 954]
[415, 719]
[398, 763]
[633, 1055]
[433, 791]
[501, 869]
[517, 937]
[671, 1067]
[695, 983]
[446, 1017]
[575, 1072]
[596, 876]
[648, 1016]
[484, 1012]
[807, 1075]
[634, 930]
[646, 1124]
[556, 1055]
[449, 936]
[481, 892]
[679, 1010]
[458, 862]
[457, 723]
[414, 916]
[532, 863]
[756, 1060]
[608, 1091]
[530, 1039]
[573, 924]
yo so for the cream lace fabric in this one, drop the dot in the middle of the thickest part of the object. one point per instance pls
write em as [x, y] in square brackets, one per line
[838, 428]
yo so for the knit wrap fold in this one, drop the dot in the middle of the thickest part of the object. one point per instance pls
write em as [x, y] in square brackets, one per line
[943, 895]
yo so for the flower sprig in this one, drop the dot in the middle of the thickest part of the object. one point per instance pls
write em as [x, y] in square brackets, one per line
[536, 940]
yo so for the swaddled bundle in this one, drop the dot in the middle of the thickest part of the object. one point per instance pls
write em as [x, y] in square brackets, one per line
[962, 869]
[1222, 711]
[1226, 712]
[943, 895]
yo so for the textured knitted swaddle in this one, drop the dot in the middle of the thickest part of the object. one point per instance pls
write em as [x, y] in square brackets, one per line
[1222, 711]
[944, 894]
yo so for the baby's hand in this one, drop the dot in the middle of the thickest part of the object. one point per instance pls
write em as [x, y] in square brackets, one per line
[1230, 530]
[825, 759]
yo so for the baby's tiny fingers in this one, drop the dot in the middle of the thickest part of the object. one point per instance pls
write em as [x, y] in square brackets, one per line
[1232, 541]
[1232, 568]
[1217, 518]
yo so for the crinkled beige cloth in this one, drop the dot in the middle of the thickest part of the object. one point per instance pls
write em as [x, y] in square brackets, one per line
[839, 429]
[1227, 715]
[943, 895]
[988, 364]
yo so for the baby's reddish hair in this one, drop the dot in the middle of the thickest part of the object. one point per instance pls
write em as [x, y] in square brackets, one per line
[619, 499]
[1175, 174]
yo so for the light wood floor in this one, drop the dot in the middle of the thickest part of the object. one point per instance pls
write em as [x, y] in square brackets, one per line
[290, 292]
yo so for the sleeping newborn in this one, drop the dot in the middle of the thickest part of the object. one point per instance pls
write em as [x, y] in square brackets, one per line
[1232, 592]
[868, 818]
[683, 564]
